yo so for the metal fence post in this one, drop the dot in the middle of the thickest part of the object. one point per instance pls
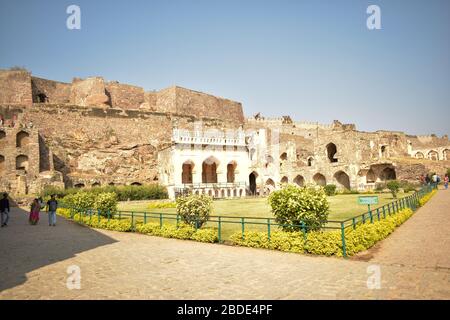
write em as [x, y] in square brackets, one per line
[132, 218]
[219, 236]
[145, 217]
[344, 248]
[384, 212]
[108, 213]
[371, 216]
[378, 213]
[354, 223]
[268, 229]
[304, 231]
[243, 227]
[161, 221]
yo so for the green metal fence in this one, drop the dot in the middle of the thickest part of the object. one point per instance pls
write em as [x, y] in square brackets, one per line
[269, 224]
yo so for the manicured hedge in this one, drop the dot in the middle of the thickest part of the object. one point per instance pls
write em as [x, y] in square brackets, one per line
[327, 243]
[183, 231]
[124, 193]
[426, 198]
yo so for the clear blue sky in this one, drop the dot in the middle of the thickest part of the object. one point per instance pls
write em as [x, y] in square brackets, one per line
[313, 60]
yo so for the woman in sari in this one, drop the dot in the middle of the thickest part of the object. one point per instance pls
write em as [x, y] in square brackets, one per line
[34, 213]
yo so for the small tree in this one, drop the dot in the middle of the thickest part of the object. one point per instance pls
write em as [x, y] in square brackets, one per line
[394, 186]
[293, 206]
[194, 209]
[330, 189]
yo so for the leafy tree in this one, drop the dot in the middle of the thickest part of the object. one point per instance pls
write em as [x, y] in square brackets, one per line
[393, 185]
[293, 206]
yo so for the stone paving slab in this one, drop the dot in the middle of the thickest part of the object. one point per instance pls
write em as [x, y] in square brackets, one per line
[114, 265]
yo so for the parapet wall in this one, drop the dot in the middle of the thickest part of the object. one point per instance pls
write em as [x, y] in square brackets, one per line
[49, 91]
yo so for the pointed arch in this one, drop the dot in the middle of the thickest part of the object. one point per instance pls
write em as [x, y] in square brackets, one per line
[320, 179]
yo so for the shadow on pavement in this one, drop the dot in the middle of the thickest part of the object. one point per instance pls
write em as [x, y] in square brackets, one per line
[24, 248]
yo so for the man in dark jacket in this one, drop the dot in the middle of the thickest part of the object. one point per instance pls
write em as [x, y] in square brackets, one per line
[4, 210]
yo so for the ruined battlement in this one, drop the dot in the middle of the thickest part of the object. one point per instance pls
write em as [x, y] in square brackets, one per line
[19, 87]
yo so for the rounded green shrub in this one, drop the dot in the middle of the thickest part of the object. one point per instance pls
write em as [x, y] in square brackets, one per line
[106, 203]
[293, 206]
[194, 209]
[330, 189]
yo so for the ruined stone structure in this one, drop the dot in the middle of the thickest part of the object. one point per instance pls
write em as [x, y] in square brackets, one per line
[92, 132]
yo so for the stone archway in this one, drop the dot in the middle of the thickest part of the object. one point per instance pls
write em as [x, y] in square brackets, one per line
[22, 139]
[299, 180]
[231, 168]
[22, 162]
[310, 161]
[284, 180]
[419, 155]
[388, 174]
[433, 155]
[320, 179]
[446, 154]
[252, 182]
[371, 177]
[2, 134]
[209, 170]
[342, 179]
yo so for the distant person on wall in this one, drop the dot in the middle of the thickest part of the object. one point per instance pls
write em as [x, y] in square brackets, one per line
[434, 178]
[4, 210]
[52, 205]
[427, 179]
[446, 181]
[34, 212]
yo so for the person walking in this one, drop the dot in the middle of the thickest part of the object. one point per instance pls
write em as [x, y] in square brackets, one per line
[446, 181]
[34, 212]
[52, 205]
[4, 210]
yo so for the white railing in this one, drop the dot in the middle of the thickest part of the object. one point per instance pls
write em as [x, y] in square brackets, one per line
[210, 138]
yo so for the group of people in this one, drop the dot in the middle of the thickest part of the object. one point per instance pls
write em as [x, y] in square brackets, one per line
[36, 206]
[434, 178]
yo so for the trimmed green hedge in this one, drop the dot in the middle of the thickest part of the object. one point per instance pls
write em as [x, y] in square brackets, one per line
[426, 198]
[184, 231]
[327, 243]
[124, 193]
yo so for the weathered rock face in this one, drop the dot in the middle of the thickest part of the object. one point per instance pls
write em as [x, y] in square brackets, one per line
[15, 87]
[48, 91]
[89, 92]
[125, 96]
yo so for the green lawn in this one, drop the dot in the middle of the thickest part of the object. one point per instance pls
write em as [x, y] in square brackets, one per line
[342, 207]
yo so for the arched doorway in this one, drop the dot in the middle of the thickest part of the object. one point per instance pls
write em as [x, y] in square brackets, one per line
[433, 155]
[252, 182]
[136, 184]
[319, 179]
[331, 152]
[79, 185]
[2, 134]
[446, 154]
[186, 175]
[283, 156]
[22, 163]
[270, 185]
[209, 170]
[388, 174]
[299, 180]
[370, 176]
[342, 179]
[231, 167]
[284, 180]
[22, 139]
[310, 161]
[419, 155]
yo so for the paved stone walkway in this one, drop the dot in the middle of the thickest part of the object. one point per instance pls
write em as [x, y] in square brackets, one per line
[34, 260]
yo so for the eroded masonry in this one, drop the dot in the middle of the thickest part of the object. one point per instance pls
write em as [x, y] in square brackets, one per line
[92, 132]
